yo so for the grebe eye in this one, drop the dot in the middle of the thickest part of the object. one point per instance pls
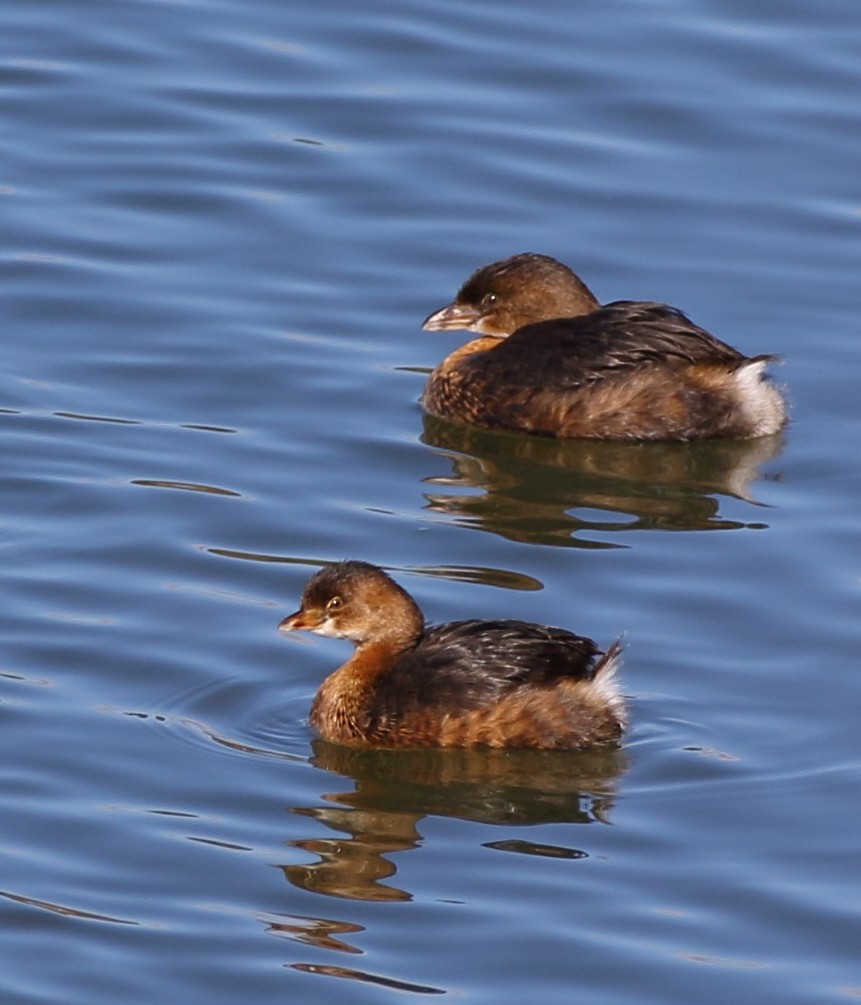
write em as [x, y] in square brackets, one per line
[335, 604]
[489, 300]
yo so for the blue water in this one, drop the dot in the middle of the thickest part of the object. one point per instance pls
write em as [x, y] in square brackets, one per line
[222, 225]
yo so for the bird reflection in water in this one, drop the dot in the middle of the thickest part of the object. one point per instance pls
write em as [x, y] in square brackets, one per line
[394, 790]
[537, 490]
[323, 933]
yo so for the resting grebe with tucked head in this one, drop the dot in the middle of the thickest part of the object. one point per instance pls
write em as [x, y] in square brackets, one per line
[553, 361]
[493, 683]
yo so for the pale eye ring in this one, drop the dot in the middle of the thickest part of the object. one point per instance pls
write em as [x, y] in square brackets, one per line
[335, 604]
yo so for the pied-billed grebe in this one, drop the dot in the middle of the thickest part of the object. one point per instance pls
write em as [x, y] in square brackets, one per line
[553, 361]
[493, 683]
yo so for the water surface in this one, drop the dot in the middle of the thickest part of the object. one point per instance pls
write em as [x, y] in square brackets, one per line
[223, 223]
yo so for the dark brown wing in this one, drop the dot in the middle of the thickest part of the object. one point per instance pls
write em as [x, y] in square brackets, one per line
[568, 353]
[472, 664]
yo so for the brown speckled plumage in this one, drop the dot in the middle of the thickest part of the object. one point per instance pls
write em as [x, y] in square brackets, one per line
[503, 683]
[552, 361]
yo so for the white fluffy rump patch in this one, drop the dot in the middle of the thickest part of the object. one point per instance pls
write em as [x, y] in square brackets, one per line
[605, 683]
[759, 399]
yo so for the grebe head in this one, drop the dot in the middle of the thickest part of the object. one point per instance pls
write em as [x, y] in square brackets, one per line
[499, 298]
[357, 601]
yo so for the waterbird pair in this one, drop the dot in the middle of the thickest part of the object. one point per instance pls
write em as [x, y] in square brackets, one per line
[549, 360]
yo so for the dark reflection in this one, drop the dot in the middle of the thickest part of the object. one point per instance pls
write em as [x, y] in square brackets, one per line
[365, 978]
[98, 418]
[535, 848]
[393, 790]
[530, 488]
[325, 933]
[322, 933]
[65, 910]
[161, 483]
[505, 579]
